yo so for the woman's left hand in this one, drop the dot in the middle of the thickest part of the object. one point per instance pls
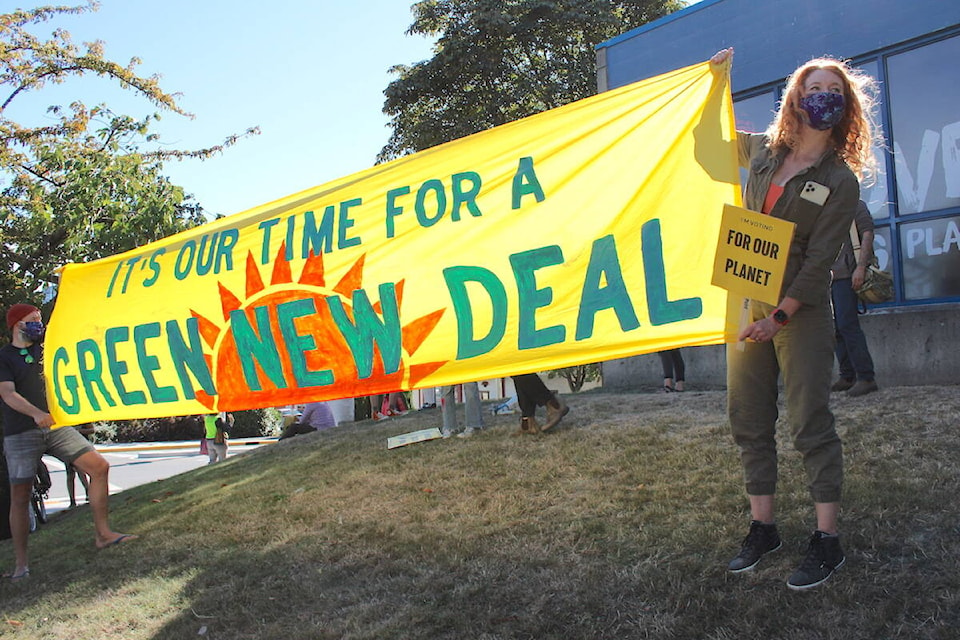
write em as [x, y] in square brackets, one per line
[760, 331]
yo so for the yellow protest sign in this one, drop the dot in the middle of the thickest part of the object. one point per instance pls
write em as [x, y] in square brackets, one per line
[572, 236]
[752, 254]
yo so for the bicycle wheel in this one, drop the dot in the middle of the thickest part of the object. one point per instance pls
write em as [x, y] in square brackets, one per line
[39, 508]
[32, 517]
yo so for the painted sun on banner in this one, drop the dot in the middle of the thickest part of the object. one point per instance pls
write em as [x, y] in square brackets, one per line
[577, 235]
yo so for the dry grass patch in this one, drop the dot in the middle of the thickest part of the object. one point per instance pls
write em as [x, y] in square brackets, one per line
[617, 525]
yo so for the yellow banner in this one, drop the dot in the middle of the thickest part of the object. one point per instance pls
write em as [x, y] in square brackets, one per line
[577, 235]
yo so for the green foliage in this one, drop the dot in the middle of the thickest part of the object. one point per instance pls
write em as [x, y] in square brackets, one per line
[256, 422]
[495, 62]
[247, 424]
[85, 186]
[150, 430]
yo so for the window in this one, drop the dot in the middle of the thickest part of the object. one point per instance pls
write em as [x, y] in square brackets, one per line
[925, 125]
[755, 114]
[875, 195]
[930, 254]
[881, 247]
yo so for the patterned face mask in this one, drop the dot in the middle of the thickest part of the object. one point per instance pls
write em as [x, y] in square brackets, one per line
[33, 331]
[824, 109]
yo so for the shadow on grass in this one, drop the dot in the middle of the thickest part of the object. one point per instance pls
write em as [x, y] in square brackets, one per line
[619, 525]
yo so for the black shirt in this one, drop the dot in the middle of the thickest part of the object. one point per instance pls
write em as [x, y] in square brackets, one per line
[27, 378]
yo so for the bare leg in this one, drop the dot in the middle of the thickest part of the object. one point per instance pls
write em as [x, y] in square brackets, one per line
[97, 467]
[20, 525]
[762, 508]
[827, 513]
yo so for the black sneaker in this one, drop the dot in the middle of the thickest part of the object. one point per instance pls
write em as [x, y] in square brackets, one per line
[762, 539]
[824, 556]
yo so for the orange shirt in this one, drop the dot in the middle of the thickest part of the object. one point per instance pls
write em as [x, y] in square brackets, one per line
[773, 194]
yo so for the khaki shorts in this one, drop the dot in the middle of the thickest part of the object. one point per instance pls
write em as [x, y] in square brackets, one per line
[24, 450]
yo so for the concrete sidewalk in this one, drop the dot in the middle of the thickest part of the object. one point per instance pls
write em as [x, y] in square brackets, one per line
[136, 463]
[180, 445]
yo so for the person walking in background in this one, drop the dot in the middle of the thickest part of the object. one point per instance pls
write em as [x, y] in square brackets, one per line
[853, 356]
[473, 414]
[532, 393]
[803, 169]
[216, 428]
[674, 370]
[316, 416]
[28, 435]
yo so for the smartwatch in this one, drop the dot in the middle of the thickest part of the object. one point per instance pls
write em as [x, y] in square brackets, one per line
[780, 317]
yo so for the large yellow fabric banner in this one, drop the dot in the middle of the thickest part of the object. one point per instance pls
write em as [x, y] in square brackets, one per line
[577, 235]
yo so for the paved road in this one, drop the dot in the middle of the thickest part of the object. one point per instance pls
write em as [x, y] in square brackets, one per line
[133, 465]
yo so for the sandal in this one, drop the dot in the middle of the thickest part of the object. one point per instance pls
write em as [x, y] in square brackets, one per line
[20, 576]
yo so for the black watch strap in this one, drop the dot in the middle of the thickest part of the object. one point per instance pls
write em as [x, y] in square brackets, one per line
[780, 317]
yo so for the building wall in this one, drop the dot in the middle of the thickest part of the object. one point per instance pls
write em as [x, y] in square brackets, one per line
[911, 47]
[771, 37]
[910, 346]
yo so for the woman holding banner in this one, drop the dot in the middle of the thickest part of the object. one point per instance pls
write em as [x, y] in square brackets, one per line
[804, 169]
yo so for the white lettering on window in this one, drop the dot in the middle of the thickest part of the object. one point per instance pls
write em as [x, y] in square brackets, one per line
[913, 193]
[914, 240]
[951, 237]
[922, 239]
[880, 251]
[951, 159]
[931, 250]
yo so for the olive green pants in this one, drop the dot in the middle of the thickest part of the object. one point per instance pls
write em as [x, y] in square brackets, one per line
[802, 352]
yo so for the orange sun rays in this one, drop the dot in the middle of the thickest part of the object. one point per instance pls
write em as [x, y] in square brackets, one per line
[332, 353]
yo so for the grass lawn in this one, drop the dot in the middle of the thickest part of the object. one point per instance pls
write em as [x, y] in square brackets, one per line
[618, 524]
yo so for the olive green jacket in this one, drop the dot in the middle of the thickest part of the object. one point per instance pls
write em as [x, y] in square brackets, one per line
[821, 229]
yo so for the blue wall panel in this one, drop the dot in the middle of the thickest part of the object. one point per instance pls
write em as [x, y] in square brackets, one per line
[771, 37]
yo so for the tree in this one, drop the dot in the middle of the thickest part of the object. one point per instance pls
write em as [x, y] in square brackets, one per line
[578, 375]
[83, 186]
[496, 61]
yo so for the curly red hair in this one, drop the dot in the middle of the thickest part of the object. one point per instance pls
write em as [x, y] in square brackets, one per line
[854, 136]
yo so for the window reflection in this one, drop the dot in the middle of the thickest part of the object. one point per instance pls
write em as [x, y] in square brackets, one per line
[875, 194]
[754, 114]
[925, 125]
[930, 254]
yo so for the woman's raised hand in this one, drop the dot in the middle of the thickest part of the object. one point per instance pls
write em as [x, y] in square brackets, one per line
[722, 56]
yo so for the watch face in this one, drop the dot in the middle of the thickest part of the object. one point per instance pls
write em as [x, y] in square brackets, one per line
[780, 316]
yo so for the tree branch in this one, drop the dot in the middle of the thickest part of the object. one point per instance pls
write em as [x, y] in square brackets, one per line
[40, 176]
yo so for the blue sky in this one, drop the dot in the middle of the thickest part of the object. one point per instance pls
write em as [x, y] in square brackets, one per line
[311, 75]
